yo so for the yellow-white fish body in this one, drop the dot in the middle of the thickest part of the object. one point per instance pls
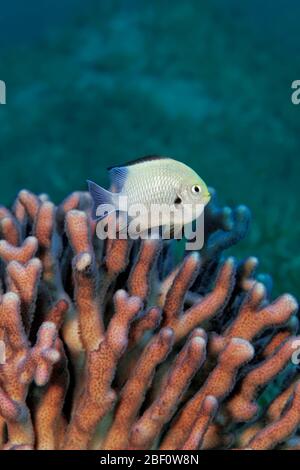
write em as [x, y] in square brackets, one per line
[152, 182]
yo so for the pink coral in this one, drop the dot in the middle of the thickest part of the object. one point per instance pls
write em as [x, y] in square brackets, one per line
[111, 345]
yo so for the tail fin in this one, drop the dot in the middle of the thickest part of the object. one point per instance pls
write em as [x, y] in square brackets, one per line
[101, 197]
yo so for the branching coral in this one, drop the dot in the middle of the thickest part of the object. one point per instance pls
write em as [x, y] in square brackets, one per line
[112, 345]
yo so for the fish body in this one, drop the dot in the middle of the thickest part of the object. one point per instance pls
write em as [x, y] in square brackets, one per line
[153, 181]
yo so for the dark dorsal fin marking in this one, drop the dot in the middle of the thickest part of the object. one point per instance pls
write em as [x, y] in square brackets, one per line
[148, 158]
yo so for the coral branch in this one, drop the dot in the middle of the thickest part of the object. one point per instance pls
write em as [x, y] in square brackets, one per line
[98, 397]
[133, 393]
[207, 307]
[220, 382]
[242, 407]
[206, 414]
[22, 253]
[253, 319]
[188, 361]
[281, 429]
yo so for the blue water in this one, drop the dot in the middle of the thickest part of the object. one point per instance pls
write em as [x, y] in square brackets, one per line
[22, 21]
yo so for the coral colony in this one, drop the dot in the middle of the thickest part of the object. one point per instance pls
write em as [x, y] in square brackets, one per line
[112, 345]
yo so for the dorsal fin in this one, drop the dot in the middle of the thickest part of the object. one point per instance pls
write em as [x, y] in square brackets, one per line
[148, 158]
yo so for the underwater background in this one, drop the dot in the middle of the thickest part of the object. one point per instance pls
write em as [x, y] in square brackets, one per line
[96, 83]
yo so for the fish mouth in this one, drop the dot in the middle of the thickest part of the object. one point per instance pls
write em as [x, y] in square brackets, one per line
[207, 197]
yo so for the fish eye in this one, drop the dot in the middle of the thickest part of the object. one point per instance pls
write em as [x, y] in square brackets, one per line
[196, 189]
